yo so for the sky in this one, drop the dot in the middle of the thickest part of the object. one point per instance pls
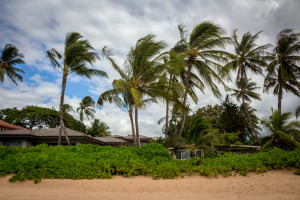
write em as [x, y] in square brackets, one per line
[35, 26]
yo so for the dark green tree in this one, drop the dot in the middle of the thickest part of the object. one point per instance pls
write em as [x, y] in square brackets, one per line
[231, 119]
[210, 113]
[34, 117]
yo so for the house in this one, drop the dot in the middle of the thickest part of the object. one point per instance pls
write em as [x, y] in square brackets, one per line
[184, 153]
[4, 126]
[26, 138]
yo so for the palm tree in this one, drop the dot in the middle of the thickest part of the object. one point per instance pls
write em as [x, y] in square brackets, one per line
[140, 77]
[77, 54]
[200, 134]
[246, 92]
[175, 67]
[283, 71]
[99, 129]
[200, 54]
[112, 96]
[248, 57]
[283, 132]
[67, 108]
[86, 107]
[10, 57]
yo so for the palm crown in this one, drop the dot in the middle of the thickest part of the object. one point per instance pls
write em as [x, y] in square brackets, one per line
[283, 71]
[10, 57]
[201, 53]
[283, 131]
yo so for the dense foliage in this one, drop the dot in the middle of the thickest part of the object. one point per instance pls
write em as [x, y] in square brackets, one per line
[35, 117]
[91, 161]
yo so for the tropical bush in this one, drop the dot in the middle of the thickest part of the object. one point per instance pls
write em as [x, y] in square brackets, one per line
[91, 161]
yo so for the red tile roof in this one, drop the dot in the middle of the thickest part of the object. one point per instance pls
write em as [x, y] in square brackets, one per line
[9, 126]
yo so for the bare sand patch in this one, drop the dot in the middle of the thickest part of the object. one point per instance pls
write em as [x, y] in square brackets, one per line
[280, 184]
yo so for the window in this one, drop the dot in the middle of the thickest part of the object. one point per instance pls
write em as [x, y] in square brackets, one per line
[13, 143]
[186, 154]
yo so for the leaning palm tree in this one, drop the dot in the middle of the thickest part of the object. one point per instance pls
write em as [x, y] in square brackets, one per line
[86, 107]
[10, 57]
[283, 131]
[139, 79]
[283, 71]
[199, 51]
[245, 91]
[77, 54]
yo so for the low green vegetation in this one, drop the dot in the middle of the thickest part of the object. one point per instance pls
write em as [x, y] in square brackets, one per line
[92, 161]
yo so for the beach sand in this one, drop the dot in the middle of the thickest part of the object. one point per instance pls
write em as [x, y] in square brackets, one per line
[280, 184]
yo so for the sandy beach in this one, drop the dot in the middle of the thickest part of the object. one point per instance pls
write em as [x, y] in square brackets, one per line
[282, 184]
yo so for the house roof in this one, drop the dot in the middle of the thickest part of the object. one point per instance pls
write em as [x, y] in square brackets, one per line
[16, 132]
[9, 126]
[55, 133]
[111, 139]
[130, 137]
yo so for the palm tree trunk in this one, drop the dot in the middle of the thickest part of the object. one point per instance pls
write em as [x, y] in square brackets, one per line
[187, 84]
[132, 126]
[279, 98]
[167, 119]
[61, 113]
[138, 142]
[80, 126]
[167, 108]
[246, 113]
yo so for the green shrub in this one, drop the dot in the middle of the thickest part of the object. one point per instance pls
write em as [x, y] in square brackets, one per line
[92, 161]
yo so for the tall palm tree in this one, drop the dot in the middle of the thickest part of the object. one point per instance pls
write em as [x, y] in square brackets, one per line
[245, 91]
[141, 73]
[199, 51]
[174, 66]
[283, 131]
[283, 71]
[77, 54]
[86, 107]
[10, 57]
[248, 57]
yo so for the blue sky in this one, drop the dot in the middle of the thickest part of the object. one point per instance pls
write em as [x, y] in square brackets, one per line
[35, 26]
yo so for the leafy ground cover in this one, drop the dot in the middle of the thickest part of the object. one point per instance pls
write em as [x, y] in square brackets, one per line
[92, 161]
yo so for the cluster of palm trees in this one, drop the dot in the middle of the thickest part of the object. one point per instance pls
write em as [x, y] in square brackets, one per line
[151, 73]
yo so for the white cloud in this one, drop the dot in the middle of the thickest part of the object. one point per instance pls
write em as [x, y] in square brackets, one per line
[36, 26]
